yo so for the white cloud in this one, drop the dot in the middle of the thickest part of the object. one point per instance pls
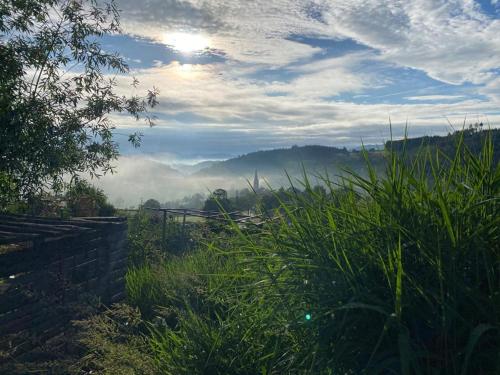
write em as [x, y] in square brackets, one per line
[244, 106]
[451, 41]
[492, 90]
[247, 31]
[435, 97]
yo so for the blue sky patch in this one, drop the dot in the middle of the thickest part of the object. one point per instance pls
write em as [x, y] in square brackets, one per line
[143, 53]
[330, 47]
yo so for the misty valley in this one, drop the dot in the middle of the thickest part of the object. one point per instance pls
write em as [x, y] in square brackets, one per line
[180, 185]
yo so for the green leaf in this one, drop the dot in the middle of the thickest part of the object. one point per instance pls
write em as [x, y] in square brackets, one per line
[474, 338]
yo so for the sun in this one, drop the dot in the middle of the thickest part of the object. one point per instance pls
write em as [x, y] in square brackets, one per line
[186, 42]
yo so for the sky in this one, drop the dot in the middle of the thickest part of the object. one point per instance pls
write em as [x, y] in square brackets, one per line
[237, 76]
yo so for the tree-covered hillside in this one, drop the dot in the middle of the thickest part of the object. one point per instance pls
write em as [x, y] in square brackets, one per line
[315, 159]
[473, 138]
[320, 159]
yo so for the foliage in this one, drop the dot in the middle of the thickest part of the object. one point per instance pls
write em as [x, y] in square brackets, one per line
[145, 237]
[195, 201]
[55, 94]
[82, 194]
[171, 283]
[265, 201]
[400, 274]
[245, 200]
[473, 137]
[291, 159]
[7, 189]
[218, 202]
[151, 203]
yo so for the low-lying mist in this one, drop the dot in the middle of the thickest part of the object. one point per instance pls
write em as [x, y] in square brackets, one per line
[166, 178]
[138, 178]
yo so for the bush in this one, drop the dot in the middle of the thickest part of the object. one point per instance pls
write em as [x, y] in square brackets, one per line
[86, 200]
[144, 239]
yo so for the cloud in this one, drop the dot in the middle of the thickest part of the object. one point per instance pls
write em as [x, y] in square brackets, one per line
[235, 102]
[279, 84]
[212, 113]
[149, 16]
[492, 90]
[435, 97]
[453, 42]
[252, 32]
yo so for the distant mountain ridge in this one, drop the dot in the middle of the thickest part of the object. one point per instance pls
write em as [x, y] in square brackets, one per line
[272, 164]
[317, 159]
[142, 177]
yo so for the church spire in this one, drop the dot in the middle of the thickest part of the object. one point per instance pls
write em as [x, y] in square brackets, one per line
[256, 181]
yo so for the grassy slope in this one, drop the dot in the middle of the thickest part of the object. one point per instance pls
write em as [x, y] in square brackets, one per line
[397, 275]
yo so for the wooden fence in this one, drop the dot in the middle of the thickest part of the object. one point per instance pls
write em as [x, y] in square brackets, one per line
[235, 217]
[48, 268]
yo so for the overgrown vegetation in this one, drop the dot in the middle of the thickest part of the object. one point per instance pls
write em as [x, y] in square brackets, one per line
[393, 273]
[145, 238]
[83, 198]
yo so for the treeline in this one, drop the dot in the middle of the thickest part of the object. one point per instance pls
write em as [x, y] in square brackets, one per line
[263, 201]
[294, 160]
[80, 198]
[473, 137]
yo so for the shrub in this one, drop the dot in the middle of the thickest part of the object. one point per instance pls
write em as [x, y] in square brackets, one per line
[86, 200]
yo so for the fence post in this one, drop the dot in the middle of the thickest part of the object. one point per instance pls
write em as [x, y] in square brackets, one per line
[164, 228]
[184, 230]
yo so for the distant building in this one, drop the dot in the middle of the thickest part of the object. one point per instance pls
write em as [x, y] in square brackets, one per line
[256, 181]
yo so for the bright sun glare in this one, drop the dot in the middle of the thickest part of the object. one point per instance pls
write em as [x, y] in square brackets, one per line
[185, 42]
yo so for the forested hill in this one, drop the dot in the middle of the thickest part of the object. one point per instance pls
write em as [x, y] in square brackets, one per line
[315, 159]
[472, 137]
[321, 159]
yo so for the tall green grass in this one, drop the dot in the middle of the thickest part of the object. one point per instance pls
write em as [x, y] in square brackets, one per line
[400, 273]
[394, 273]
